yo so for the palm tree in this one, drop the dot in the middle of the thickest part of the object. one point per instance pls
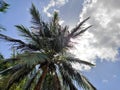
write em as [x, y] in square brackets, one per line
[42, 62]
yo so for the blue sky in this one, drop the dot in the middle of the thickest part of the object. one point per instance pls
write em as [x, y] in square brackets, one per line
[101, 43]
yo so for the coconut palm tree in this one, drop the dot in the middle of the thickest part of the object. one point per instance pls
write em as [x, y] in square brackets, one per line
[42, 62]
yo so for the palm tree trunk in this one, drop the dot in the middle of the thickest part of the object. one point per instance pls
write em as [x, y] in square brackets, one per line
[41, 79]
[57, 82]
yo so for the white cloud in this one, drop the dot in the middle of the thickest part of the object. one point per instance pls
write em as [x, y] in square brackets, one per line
[103, 39]
[114, 76]
[60, 2]
[105, 81]
[53, 3]
[61, 22]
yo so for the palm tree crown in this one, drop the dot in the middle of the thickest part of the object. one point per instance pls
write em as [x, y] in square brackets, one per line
[42, 62]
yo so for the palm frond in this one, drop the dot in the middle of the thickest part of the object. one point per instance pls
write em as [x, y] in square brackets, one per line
[55, 18]
[3, 81]
[24, 31]
[11, 69]
[67, 81]
[82, 31]
[39, 25]
[29, 59]
[9, 60]
[7, 38]
[30, 36]
[37, 41]
[54, 25]
[65, 31]
[45, 31]
[30, 81]
[36, 21]
[27, 47]
[74, 30]
[88, 85]
[75, 75]
[32, 59]
[20, 43]
[77, 60]
[6, 70]
[17, 76]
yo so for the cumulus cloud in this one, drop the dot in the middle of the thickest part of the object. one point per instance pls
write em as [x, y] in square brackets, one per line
[53, 3]
[103, 39]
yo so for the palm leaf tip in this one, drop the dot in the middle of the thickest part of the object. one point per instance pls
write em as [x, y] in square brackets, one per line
[55, 17]
[76, 29]
[67, 81]
[86, 84]
[24, 31]
[82, 31]
[82, 81]
[77, 60]
[35, 15]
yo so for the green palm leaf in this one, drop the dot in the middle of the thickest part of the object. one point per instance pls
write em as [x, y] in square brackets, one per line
[24, 31]
[36, 20]
[11, 69]
[75, 75]
[66, 79]
[78, 27]
[32, 59]
[81, 32]
[88, 86]
[30, 81]
[17, 76]
[77, 60]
